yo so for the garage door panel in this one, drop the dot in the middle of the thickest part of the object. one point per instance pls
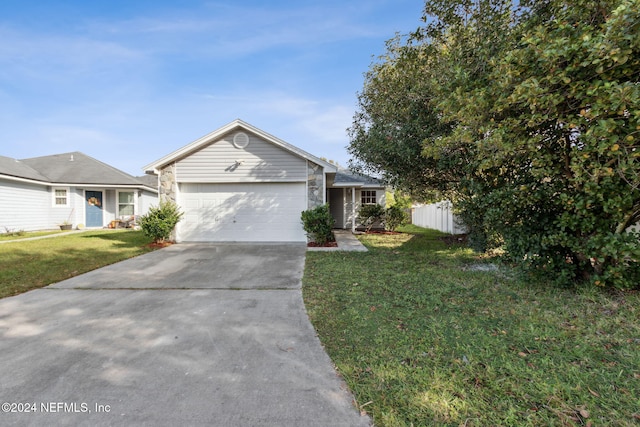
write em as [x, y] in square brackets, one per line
[192, 204]
[242, 212]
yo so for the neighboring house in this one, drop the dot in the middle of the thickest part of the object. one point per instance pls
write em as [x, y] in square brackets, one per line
[44, 192]
[240, 183]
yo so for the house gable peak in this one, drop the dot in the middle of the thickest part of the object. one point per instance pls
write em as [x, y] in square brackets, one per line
[236, 125]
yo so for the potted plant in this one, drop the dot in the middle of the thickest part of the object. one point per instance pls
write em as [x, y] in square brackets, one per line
[67, 225]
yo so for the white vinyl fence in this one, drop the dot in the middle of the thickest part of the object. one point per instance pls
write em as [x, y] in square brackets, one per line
[438, 216]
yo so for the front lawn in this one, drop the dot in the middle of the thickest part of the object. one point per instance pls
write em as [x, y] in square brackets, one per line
[32, 264]
[427, 334]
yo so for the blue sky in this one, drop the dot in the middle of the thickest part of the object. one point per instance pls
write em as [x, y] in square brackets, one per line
[128, 82]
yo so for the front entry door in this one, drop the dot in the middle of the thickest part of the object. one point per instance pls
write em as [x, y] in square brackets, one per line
[93, 208]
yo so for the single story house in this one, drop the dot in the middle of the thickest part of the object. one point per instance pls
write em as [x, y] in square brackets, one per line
[43, 192]
[239, 183]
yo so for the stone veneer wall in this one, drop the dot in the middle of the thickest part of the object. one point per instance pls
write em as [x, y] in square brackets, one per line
[168, 186]
[315, 185]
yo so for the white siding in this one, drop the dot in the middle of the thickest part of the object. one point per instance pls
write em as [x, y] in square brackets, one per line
[30, 207]
[145, 201]
[24, 206]
[77, 202]
[109, 206]
[348, 207]
[437, 216]
[261, 161]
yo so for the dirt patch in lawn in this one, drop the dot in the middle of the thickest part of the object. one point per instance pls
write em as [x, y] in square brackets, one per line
[455, 239]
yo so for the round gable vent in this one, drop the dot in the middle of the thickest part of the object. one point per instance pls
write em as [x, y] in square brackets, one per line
[240, 140]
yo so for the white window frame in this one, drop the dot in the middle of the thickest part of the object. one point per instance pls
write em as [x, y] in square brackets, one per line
[55, 197]
[135, 202]
[364, 196]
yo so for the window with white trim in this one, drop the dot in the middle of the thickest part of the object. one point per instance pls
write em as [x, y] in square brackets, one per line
[368, 197]
[60, 197]
[126, 203]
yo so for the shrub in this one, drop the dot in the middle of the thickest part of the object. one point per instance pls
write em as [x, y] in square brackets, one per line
[318, 222]
[160, 221]
[9, 232]
[368, 215]
[394, 217]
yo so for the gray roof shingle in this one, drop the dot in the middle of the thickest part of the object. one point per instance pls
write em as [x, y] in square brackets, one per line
[69, 168]
[78, 168]
[19, 169]
[346, 176]
[148, 180]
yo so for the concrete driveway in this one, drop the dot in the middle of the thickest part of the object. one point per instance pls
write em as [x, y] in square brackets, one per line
[187, 335]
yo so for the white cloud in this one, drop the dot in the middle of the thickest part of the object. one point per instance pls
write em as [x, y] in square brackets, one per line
[130, 89]
[237, 30]
[18, 47]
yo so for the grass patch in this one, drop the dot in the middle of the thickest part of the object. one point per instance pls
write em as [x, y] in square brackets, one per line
[423, 337]
[17, 235]
[33, 264]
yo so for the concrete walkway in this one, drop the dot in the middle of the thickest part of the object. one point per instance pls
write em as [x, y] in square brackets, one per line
[48, 236]
[346, 242]
[192, 334]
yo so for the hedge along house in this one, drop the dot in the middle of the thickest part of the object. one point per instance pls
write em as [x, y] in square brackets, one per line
[43, 192]
[239, 183]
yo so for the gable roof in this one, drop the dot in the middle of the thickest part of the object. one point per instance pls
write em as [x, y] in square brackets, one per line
[219, 133]
[74, 168]
[349, 178]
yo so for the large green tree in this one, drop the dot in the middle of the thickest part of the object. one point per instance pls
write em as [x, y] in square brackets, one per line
[394, 118]
[530, 114]
[570, 96]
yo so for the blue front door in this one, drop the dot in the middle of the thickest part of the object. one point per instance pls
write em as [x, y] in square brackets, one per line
[94, 208]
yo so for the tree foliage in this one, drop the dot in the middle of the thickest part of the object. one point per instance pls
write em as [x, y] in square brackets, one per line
[393, 120]
[529, 118]
[394, 217]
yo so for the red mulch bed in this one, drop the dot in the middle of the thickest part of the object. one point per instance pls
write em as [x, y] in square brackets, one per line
[326, 245]
[159, 245]
[382, 232]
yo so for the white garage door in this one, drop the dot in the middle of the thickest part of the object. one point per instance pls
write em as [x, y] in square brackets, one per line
[267, 212]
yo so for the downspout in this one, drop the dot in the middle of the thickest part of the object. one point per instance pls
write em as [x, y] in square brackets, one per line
[353, 209]
[324, 186]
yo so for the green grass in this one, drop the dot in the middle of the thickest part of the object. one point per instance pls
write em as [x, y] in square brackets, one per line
[17, 235]
[422, 338]
[32, 264]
